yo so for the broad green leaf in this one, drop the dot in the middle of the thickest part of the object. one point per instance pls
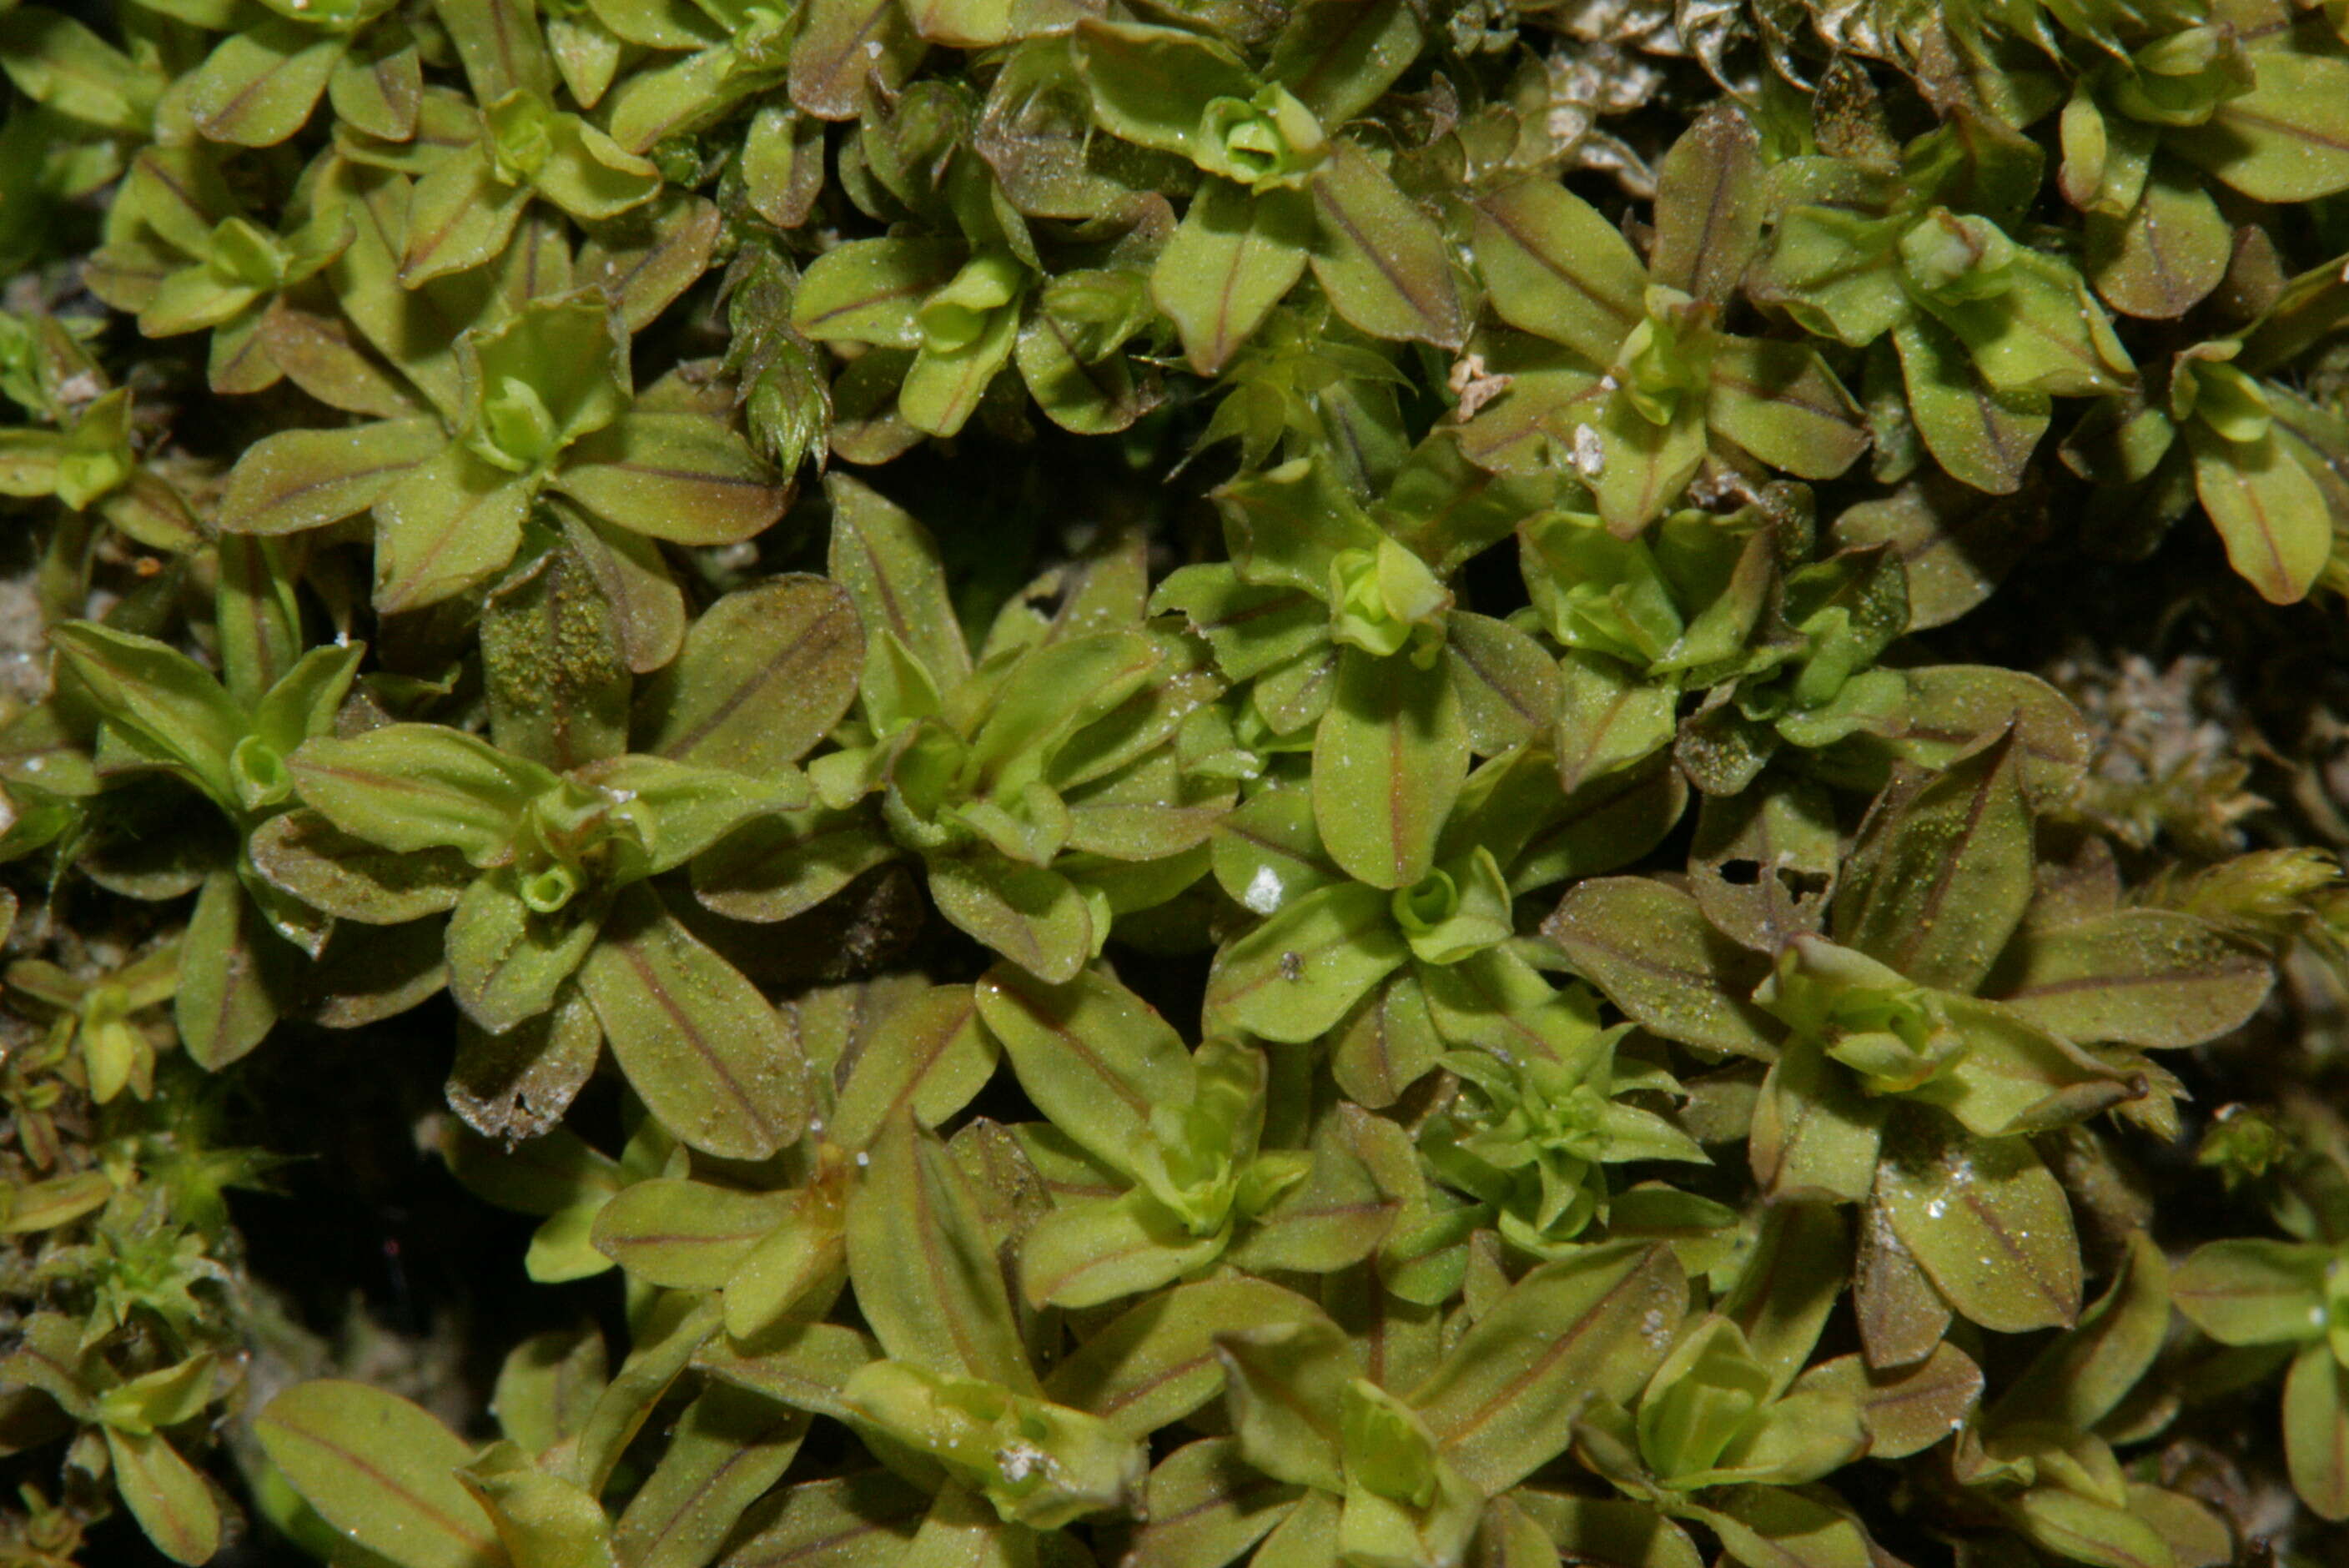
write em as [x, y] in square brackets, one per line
[2162, 257]
[1385, 1044]
[1953, 709]
[802, 1365]
[1773, 1527]
[1954, 544]
[685, 478]
[835, 62]
[57, 62]
[923, 1267]
[416, 787]
[445, 526]
[862, 1521]
[298, 480]
[545, 1521]
[1232, 259]
[1643, 466]
[942, 389]
[2247, 1292]
[701, 1047]
[1387, 762]
[232, 973]
[1157, 1363]
[1786, 836]
[1040, 701]
[1306, 1537]
[788, 862]
[1154, 84]
[1711, 199]
[1382, 261]
[1508, 685]
[667, 1334]
[1206, 1506]
[1555, 268]
[1604, 824]
[1614, 1531]
[258, 87]
[260, 622]
[929, 1053]
[1814, 1135]
[461, 215]
[2043, 332]
[1906, 1409]
[726, 1449]
[379, 84]
[500, 46]
[1095, 1057]
[2316, 1430]
[307, 856]
[546, 1385]
[1983, 435]
[1942, 871]
[2140, 976]
[890, 566]
[1797, 1270]
[1650, 948]
[1989, 1224]
[45, 1205]
[1780, 402]
[763, 675]
[1295, 976]
[175, 709]
[1902, 1318]
[1338, 57]
[1504, 1402]
[165, 1494]
[1267, 851]
[647, 606]
[2267, 510]
[1034, 916]
[2085, 1530]
[382, 1472]
[2076, 1381]
[550, 656]
[1333, 1219]
[1286, 1386]
[507, 963]
[869, 291]
[683, 1235]
[1089, 1251]
[2281, 141]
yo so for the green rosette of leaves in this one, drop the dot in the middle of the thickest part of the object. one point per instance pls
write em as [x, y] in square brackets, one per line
[2166, 97]
[1922, 1009]
[991, 287]
[2043, 1452]
[1781, 650]
[1068, 773]
[1427, 1477]
[542, 846]
[1285, 187]
[1178, 1135]
[2223, 428]
[181, 254]
[540, 404]
[78, 448]
[228, 737]
[1339, 618]
[1986, 330]
[1642, 382]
